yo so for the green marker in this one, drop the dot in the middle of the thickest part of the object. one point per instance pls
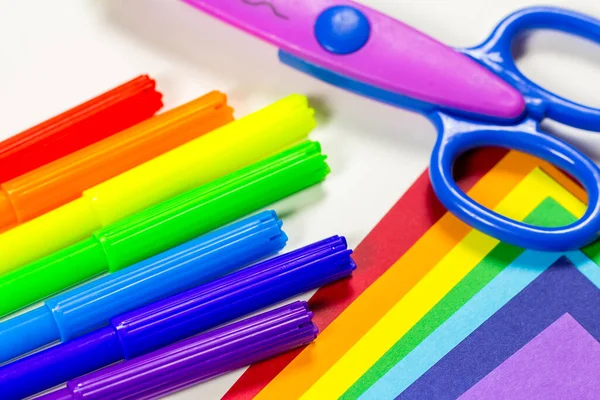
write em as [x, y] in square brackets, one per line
[165, 225]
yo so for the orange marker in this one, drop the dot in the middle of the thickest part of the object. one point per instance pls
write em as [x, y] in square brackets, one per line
[55, 184]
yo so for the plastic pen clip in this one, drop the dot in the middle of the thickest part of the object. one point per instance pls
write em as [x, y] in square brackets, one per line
[197, 359]
[94, 120]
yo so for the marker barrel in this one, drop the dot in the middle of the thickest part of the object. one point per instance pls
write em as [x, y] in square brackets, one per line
[235, 295]
[48, 368]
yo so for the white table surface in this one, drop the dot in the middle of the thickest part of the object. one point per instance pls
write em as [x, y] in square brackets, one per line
[54, 55]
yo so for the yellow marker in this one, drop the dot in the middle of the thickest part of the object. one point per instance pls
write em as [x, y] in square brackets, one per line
[526, 196]
[222, 151]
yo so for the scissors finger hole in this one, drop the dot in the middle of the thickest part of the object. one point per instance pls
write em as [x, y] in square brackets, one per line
[561, 63]
[523, 174]
[552, 235]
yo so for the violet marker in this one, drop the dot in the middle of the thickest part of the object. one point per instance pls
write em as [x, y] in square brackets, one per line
[197, 359]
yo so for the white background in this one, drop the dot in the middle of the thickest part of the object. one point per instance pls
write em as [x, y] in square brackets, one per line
[57, 54]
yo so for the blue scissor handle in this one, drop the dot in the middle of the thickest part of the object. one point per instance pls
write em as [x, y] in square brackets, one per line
[458, 136]
[495, 53]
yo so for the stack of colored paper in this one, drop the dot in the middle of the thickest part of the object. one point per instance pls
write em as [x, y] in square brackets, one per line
[437, 310]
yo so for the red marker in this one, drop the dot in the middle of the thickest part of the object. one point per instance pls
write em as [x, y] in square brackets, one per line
[94, 120]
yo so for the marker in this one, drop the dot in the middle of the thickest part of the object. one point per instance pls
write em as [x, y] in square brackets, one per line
[166, 225]
[222, 151]
[90, 306]
[61, 181]
[94, 120]
[178, 317]
[197, 359]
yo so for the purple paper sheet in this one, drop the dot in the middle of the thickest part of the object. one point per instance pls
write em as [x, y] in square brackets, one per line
[562, 362]
[560, 289]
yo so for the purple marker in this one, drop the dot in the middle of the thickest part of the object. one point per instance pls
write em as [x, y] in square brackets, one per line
[195, 360]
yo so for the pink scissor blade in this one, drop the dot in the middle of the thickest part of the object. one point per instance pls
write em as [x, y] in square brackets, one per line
[396, 57]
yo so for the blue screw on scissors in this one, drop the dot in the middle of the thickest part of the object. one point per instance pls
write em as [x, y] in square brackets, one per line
[476, 97]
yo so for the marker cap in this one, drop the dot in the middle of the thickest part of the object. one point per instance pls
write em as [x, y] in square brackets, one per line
[211, 205]
[94, 120]
[208, 257]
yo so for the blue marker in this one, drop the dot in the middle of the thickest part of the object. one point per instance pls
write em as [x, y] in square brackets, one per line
[91, 306]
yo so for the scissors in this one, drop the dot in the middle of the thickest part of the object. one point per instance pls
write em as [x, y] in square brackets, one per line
[475, 97]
